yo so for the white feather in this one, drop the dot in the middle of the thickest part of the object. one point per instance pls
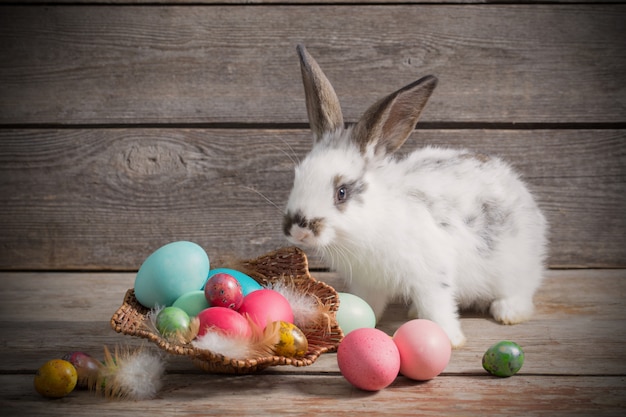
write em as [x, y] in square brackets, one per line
[304, 306]
[140, 375]
[135, 374]
[222, 344]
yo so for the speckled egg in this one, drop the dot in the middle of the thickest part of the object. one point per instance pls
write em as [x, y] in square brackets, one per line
[369, 359]
[169, 272]
[292, 341]
[223, 290]
[171, 320]
[56, 378]
[248, 284]
[503, 359]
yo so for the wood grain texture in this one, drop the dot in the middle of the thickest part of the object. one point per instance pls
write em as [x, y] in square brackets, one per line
[299, 2]
[574, 307]
[237, 64]
[272, 395]
[123, 128]
[575, 361]
[105, 199]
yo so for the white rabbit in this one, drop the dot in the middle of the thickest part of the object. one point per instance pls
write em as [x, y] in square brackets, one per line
[444, 229]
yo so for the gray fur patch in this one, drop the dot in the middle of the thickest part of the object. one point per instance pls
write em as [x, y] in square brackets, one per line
[495, 223]
[353, 191]
[315, 225]
[422, 197]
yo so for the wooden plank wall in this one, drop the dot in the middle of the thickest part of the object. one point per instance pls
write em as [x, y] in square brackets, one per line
[126, 126]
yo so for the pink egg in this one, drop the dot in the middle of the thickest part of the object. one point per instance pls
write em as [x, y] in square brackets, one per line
[266, 306]
[368, 358]
[223, 290]
[224, 319]
[424, 348]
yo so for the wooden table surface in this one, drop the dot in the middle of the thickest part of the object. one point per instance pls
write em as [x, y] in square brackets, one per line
[128, 124]
[574, 346]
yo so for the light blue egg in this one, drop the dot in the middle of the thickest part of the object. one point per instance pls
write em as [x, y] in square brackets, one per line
[354, 313]
[248, 284]
[192, 302]
[171, 271]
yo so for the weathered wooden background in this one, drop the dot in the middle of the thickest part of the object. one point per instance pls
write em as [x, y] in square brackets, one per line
[125, 127]
[128, 124]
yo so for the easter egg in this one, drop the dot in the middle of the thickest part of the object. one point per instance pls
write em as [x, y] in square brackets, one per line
[424, 347]
[292, 341]
[56, 378]
[223, 290]
[503, 359]
[265, 306]
[248, 284]
[354, 313]
[225, 320]
[169, 272]
[368, 358]
[192, 302]
[171, 320]
[87, 367]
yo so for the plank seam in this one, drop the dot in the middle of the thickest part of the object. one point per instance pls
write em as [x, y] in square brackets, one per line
[305, 126]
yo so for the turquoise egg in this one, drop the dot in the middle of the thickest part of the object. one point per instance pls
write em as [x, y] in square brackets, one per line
[354, 313]
[248, 284]
[171, 320]
[192, 302]
[169, 272]
[503, 359]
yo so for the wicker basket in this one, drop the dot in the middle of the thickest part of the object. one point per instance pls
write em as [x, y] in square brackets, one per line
[285, 263]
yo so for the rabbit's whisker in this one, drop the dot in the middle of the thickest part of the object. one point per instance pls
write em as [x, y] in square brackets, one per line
[245, 187]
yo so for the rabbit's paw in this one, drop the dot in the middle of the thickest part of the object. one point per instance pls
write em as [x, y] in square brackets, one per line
[512, 310]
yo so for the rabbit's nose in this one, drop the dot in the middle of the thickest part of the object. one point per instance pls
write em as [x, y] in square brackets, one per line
[294, 221]
[299, 234]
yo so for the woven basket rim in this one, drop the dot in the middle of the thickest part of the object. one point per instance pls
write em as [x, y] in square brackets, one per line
[285, 263]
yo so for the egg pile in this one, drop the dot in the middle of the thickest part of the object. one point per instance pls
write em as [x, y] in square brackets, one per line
[209, 308]
[220, 309]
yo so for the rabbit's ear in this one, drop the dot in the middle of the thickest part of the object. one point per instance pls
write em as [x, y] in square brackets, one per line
[388, 123]
[321, 100]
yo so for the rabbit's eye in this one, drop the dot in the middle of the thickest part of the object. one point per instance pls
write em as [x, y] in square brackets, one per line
[341, 194]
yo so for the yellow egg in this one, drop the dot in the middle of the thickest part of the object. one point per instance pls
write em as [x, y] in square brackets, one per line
[56, 378]
[292, 342]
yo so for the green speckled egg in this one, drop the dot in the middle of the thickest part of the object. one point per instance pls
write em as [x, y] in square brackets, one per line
[503, 359]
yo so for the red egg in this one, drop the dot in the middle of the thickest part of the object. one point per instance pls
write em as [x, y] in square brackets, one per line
[224, 319]
[87, 367]
[266, 306]
[424, 348]
[223, 290]
[368, 358]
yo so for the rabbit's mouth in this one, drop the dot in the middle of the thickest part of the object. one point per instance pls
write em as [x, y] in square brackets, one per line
[301, 236]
